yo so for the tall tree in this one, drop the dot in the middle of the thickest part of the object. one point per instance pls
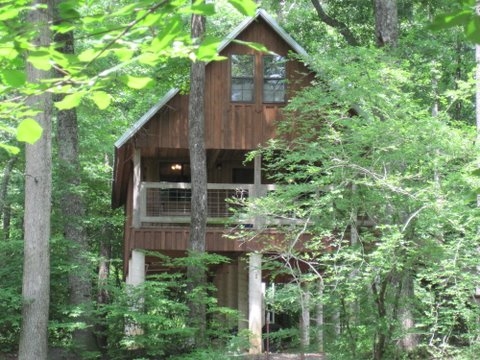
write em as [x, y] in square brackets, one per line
[386, 22]
[38, 185]
[198, 166]
[340, 26]
[4, 203]
[72, 207]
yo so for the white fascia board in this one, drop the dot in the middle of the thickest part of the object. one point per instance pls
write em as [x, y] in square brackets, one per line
[144, 119]
[272, 22]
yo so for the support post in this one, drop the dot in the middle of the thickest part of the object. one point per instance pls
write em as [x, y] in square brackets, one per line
[258, 190]
[136, 276]
[136, 271]
[255, 301]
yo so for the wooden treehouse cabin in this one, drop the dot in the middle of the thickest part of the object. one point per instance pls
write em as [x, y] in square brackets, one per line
[244, 97]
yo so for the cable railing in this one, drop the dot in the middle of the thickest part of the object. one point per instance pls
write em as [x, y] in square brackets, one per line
[166, 202]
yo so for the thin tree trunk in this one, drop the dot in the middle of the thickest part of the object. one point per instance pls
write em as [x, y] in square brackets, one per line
[386, 23]
[319, 317]
[304, 317]
[340, 26]
[72, 210]
[409, 340]
[103, 297]
[38, 188]
[4, 203]
[196, 138]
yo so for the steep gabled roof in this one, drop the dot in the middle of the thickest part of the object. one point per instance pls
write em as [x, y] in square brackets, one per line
[232, 36]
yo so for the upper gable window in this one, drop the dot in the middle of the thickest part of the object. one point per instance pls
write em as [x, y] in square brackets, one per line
[274, 73]
[242, 68]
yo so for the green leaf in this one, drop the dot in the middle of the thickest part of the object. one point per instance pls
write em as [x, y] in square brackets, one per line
[246, 7]
[254, 46]
[472, 29]
[9, 12]
[123, 54]
[14, 78]
[200, 8]
[88, 55]
[101, 99]
[70, 101]
[9, 148]
[136, 82]
[444, 21]
[167, 35]
[63, 28]
[8, 51]
[151, 20]
[148, 58]
[29, 131]
[207, 50]
[67, 10]
[40, 60]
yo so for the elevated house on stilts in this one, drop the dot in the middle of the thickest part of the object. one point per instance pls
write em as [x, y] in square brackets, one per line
[244, 97]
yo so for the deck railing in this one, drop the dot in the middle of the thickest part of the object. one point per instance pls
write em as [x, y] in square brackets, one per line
[165, 202]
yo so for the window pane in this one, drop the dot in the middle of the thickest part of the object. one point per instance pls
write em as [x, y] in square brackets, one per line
[242, 78]
[274, 73]
[242, 66]
[274, 90]
[242, 89]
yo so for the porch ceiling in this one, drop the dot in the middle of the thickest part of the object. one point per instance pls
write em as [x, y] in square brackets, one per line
[214, 156]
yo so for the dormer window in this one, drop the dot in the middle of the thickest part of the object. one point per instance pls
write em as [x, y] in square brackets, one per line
[274, 75]
[242, 68]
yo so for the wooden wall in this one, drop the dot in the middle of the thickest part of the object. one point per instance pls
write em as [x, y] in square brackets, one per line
[228, 125]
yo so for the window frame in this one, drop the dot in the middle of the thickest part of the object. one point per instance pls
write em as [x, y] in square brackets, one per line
[252, 80]
[283, 80]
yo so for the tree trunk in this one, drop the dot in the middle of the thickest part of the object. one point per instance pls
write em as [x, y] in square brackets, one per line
[386, 23]
[319, 317]
[38, 188]
[72, 209]
[4, 203]
[103, 297]
[196, 138]
[409, 340]
[304, 317]
[340, 26]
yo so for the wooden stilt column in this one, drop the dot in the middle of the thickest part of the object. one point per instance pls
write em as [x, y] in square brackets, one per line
[136, 271]
[136, 276]
[255, 302]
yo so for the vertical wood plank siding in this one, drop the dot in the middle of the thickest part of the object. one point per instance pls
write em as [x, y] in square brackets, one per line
[228, 125]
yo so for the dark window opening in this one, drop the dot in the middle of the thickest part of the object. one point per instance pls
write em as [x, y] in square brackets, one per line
[242, 176]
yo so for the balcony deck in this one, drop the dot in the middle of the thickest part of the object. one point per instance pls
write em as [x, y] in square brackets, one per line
[164, 214]
[169, 203]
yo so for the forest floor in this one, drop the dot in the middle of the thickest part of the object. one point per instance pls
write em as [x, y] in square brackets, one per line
[280, 356]
[271, 356]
